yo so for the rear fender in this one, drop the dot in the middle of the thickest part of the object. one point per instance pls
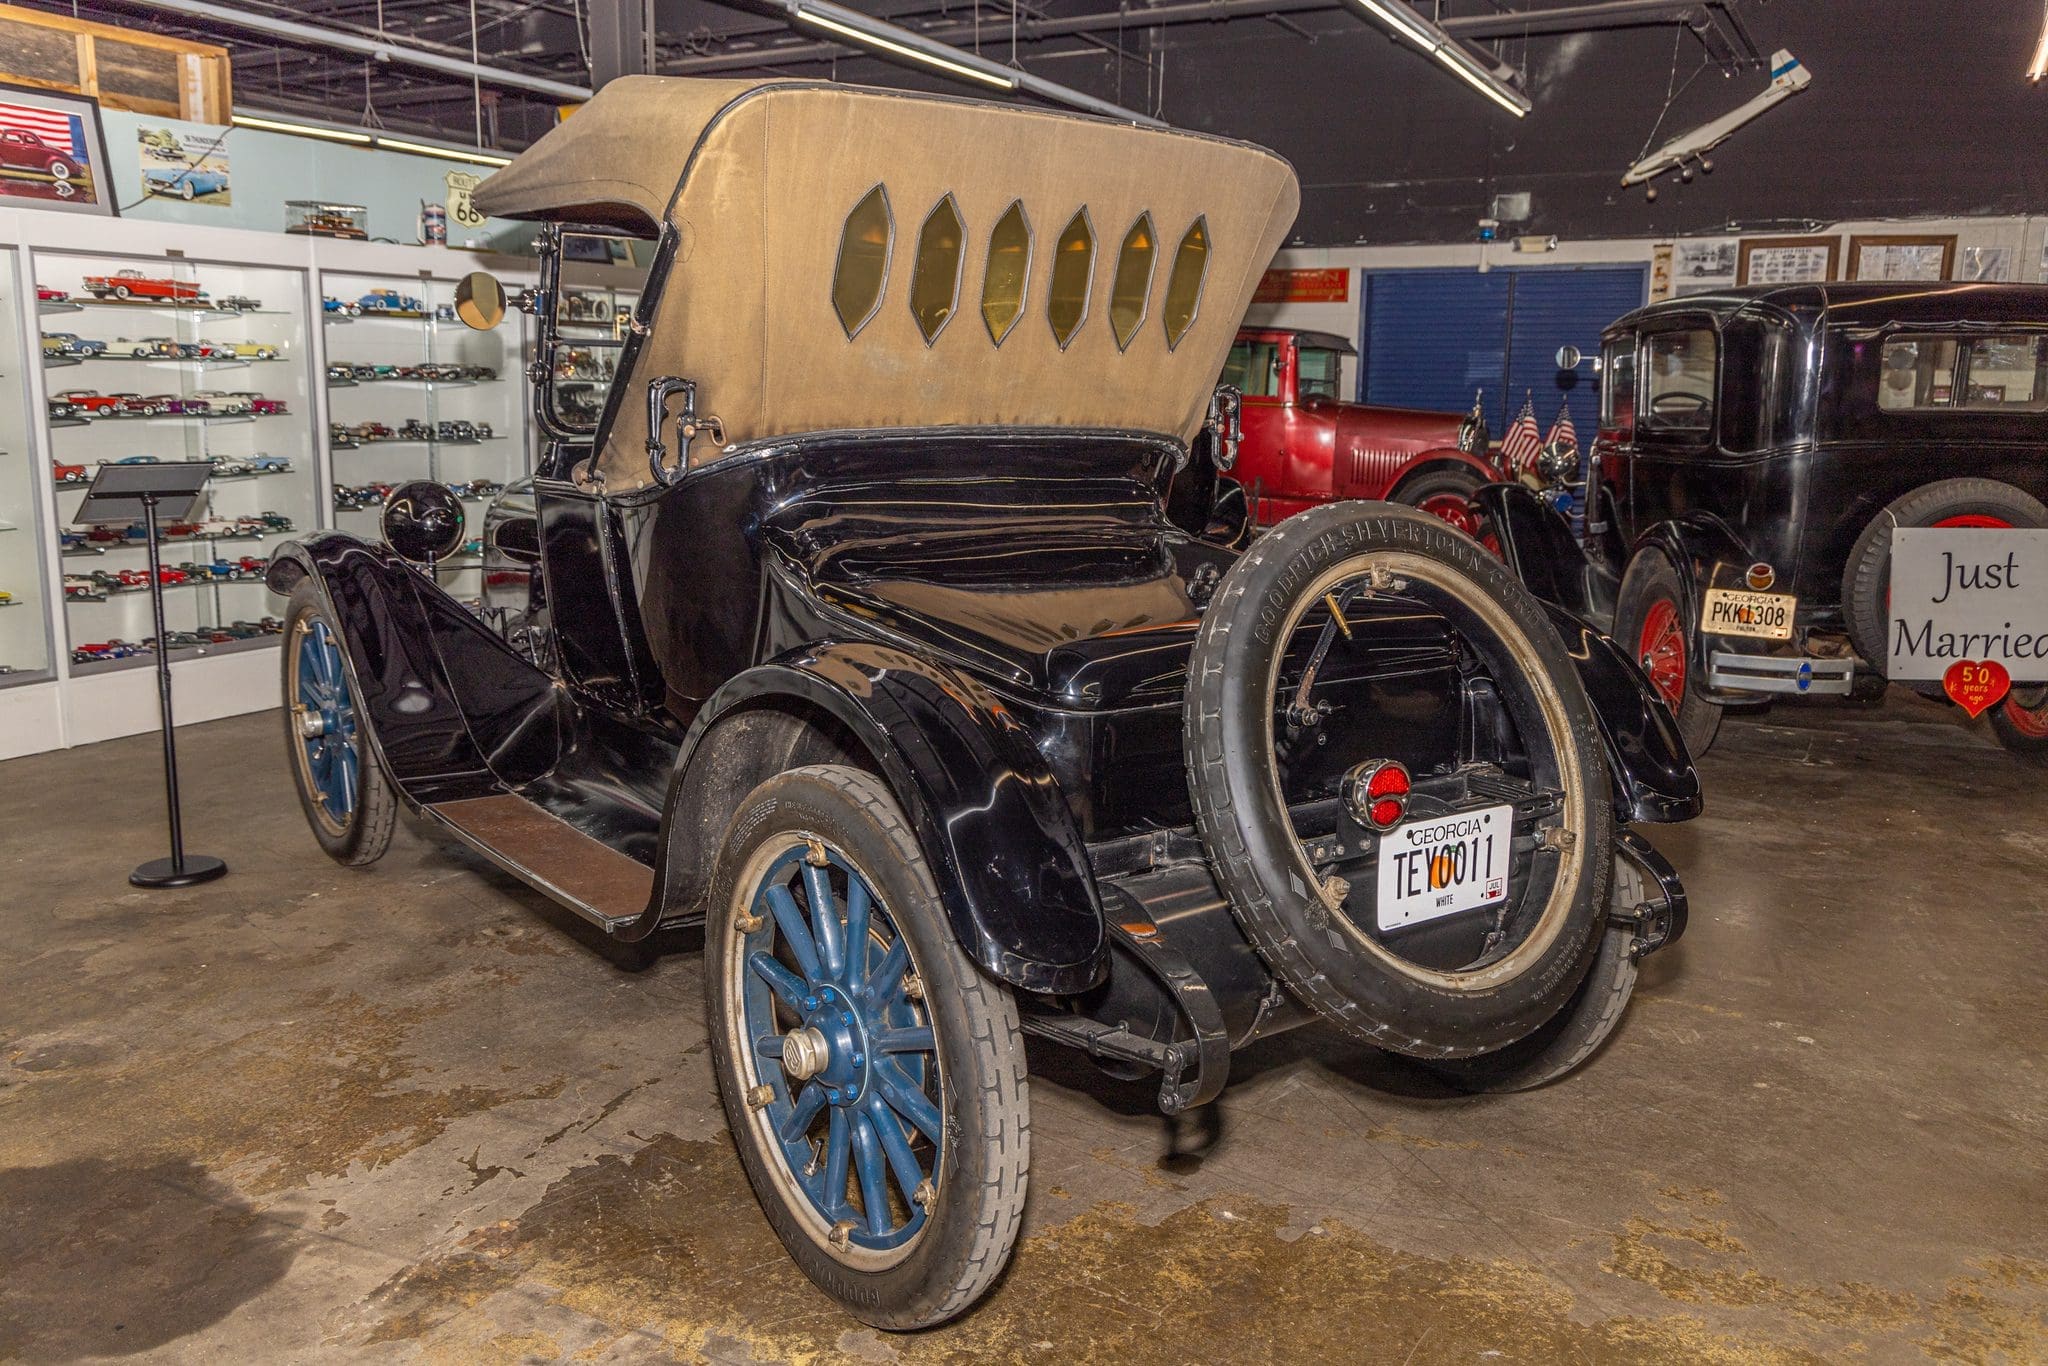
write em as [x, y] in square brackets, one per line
[1008, 859]
[450, 709]
[1651, 771]
[1537, 542]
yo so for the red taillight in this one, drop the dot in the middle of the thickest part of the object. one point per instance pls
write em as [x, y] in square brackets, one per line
[1377, 792]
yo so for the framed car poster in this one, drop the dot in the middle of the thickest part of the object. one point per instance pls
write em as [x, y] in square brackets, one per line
[1902, 258]
[53, 152]
[1787, 260]
[189, 162]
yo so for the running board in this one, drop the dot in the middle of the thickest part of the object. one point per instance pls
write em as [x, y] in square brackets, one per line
[591, 878]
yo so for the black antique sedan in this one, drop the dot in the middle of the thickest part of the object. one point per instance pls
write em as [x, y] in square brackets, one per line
[1756, 449]
[849, 623]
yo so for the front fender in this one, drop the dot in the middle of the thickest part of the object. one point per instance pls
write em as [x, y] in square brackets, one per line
[1010, 865]
[450, 709]
[1652, 772]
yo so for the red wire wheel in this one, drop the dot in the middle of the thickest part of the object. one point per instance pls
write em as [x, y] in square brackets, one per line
[1454, 508]
[1661, 651]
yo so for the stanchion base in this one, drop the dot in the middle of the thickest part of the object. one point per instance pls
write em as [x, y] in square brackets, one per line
[159, 872]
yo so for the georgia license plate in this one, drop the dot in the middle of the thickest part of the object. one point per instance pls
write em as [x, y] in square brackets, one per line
[1738, 612]
[1440, 867]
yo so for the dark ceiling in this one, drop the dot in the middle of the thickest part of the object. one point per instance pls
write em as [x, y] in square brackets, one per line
[1917, 107]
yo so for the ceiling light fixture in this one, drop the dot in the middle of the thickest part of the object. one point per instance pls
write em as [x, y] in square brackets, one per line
[876, 42]
[303, 130]
[1405, 22]
[445, 153]
[892, 40]
[2039, 66]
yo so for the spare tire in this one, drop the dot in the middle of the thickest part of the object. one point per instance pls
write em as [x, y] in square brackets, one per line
[1867, 579]
[1433, 656]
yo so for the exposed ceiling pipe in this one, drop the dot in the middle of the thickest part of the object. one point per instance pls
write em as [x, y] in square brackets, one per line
[1568, 19]
[376, 48]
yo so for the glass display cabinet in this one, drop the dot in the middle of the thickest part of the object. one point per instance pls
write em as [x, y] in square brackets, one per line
[594, 315]
[161, 359]
[24, 601]
[413, 394]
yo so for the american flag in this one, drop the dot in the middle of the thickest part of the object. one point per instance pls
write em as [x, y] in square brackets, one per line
[1562, 432]
[1520, 444]
[57, 131]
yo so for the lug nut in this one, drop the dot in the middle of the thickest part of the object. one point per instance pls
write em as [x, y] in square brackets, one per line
[925, 1196]
[841, 1236]
[761, 1097]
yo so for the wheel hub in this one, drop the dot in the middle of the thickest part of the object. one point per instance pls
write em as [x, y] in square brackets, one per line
[840, 1035]
[804, 1053]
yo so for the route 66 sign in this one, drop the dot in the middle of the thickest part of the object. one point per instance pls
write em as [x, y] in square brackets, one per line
[461, 207]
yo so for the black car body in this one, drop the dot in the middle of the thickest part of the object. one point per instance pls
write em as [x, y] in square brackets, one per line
[1762, 441]
[987, 624]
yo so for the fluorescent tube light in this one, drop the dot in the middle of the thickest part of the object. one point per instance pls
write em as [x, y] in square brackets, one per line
[304, 130]
[449, 153]
[2039, 66]
[1404, 21]
[861, 37]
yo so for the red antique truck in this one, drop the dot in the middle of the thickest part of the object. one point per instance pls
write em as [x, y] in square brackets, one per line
[1303, 445]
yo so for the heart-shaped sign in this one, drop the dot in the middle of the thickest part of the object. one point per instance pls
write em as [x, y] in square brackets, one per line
[1974, 687]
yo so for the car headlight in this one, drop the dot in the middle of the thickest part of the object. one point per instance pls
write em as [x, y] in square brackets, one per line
[1472, 435]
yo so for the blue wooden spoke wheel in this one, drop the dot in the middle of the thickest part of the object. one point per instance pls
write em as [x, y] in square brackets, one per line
[346, 798]
[873, 1078]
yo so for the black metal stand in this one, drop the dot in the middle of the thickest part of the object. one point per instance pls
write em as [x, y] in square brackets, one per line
[180, 869]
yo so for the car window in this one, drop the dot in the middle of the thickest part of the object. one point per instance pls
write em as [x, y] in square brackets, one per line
[1618, 387]
[1677, 381]
[2005, 374]
[1317, 372]
[1254, 368]
[1917, 372]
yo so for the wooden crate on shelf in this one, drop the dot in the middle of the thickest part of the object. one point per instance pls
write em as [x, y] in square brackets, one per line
[126, 68]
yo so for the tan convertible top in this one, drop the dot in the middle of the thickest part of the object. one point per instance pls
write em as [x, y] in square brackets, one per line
[826, 230]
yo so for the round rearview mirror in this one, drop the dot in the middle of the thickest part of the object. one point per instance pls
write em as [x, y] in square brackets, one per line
[423, 521]
[1568, 357]
[480, 300]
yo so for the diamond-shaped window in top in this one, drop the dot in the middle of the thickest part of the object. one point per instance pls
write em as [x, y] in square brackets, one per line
[863, 267]
[935, 278]
[1073, 268]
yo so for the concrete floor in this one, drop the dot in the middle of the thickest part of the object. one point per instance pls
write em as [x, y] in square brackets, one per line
[416, 1113]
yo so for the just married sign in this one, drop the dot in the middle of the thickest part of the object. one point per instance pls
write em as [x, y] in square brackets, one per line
[1969, 607]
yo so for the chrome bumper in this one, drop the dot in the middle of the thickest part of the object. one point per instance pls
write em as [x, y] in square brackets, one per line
[1796, 674]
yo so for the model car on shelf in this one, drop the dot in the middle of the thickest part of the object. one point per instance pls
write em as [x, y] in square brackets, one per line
[1305, 446]
[339, 307]
[104, 650]
[71, 344]
[69, 474]
[178, 405]
[184, 182]
[220, 401]
[230, 467]
[91, 402]
[389, 301]
[1756, 449]
[179, 640]
[58, 408]
[974, 741]
[153, 348]
[460, 430]
[129, 283]
[138, 460]
[246, 567]
[73, 542]
[250, 350]
[250, 630]
[6, 598]
[478, 489]
[269, 464]
[22, 150]
[361, 431]
[238, 303]
[260, 405]
[46, 294]
[264, 522]
[413, 429]
[83, 588]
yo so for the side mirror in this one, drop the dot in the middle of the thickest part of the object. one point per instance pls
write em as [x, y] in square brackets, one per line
[1568, 357]
[423, 521]
[480, 300]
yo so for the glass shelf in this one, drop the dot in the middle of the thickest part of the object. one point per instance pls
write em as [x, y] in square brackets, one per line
[271, 319]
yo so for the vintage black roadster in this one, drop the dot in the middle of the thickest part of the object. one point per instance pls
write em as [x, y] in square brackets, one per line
[1756, 449]
[850, 624]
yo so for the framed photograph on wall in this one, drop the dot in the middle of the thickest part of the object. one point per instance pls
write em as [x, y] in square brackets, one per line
[1787, 260]
[53, 152]
[1897, 257]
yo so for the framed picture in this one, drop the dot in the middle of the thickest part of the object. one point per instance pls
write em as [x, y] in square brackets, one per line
[53, 152]
[1787, 260]
[1902, 257]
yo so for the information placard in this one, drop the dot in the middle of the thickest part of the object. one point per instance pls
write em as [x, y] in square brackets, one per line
[1968, 594]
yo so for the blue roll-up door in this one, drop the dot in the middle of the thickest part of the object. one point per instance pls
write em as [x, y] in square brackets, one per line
[1434, 337]
[1553, 307]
